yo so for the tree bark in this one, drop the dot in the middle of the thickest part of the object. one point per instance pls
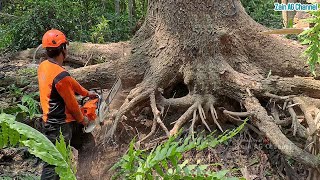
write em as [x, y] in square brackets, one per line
[130, 10]
[134, 7]
[117, 7]
[288, 16]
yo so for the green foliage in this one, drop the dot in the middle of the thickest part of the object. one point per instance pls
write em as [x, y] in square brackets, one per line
[81, 20]
[101, 31]
[13, 132]
[20, 177]
[14, 90]
[30, 72]
[28, 106]
[263, 13]
[310, 37]
[165, 161]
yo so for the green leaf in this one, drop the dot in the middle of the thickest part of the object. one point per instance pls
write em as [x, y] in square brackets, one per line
[165, 164]
[5, 134]
[159, 170]
[37, 144]
[221, 174]
[1, 139]
[23, 108]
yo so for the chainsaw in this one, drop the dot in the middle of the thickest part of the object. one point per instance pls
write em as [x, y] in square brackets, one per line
[96, 110]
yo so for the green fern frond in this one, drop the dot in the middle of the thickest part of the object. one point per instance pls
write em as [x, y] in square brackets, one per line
[310, 37]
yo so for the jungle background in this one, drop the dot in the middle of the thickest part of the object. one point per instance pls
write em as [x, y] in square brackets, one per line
[21, 22]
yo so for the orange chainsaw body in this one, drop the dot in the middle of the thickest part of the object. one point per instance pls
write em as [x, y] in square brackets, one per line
[96, 109]
[89, 109]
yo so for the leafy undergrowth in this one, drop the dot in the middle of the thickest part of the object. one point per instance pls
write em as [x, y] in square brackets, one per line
[20, 177]
[13, 133]
[166, 160]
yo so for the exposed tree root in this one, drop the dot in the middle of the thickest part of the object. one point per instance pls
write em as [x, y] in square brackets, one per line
[184, 118]
[272, 131]
[126, 107]
[307, 114]
[156, 113]
[237, 114]
[203, 116]
[194, 120]
[294, 118]
[215, 117]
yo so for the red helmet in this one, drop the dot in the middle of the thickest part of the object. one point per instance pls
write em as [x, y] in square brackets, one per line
[53, 39]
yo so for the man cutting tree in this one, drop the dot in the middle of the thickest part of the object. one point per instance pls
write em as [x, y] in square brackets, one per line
[61, 111]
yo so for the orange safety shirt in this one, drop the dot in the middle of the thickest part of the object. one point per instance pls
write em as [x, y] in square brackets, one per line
[57, 94]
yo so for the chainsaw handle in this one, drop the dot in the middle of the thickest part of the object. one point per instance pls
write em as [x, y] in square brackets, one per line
[82, 100]
[96, 90]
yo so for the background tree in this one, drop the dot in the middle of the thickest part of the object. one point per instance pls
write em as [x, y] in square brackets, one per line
[117, 6]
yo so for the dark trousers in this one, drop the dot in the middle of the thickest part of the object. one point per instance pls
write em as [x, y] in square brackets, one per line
[72, 133]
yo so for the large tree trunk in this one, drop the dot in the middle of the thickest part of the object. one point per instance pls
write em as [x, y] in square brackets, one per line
[217, 51]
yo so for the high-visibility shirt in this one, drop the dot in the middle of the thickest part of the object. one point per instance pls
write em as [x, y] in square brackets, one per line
[57, 94]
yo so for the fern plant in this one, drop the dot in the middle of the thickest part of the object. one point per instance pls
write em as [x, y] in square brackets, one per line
[14, 133]
[310, 37]
[29, 105]
[165, 161]
[25, 106]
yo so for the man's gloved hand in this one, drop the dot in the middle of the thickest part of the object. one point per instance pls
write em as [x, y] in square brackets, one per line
[92, 94]
[85, 120]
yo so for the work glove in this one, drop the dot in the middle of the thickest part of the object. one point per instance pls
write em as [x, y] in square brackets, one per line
[85, 121]
[92, 95]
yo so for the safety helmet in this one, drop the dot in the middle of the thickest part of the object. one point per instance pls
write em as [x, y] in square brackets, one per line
[53, 39]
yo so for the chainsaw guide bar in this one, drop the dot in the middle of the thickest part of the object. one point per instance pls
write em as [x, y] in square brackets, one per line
[103, 106]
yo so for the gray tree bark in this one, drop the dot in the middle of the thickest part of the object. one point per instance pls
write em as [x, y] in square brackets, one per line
[117, 6]
[130, 10]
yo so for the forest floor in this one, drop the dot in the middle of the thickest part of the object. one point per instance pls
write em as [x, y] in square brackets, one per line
[247, 153]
